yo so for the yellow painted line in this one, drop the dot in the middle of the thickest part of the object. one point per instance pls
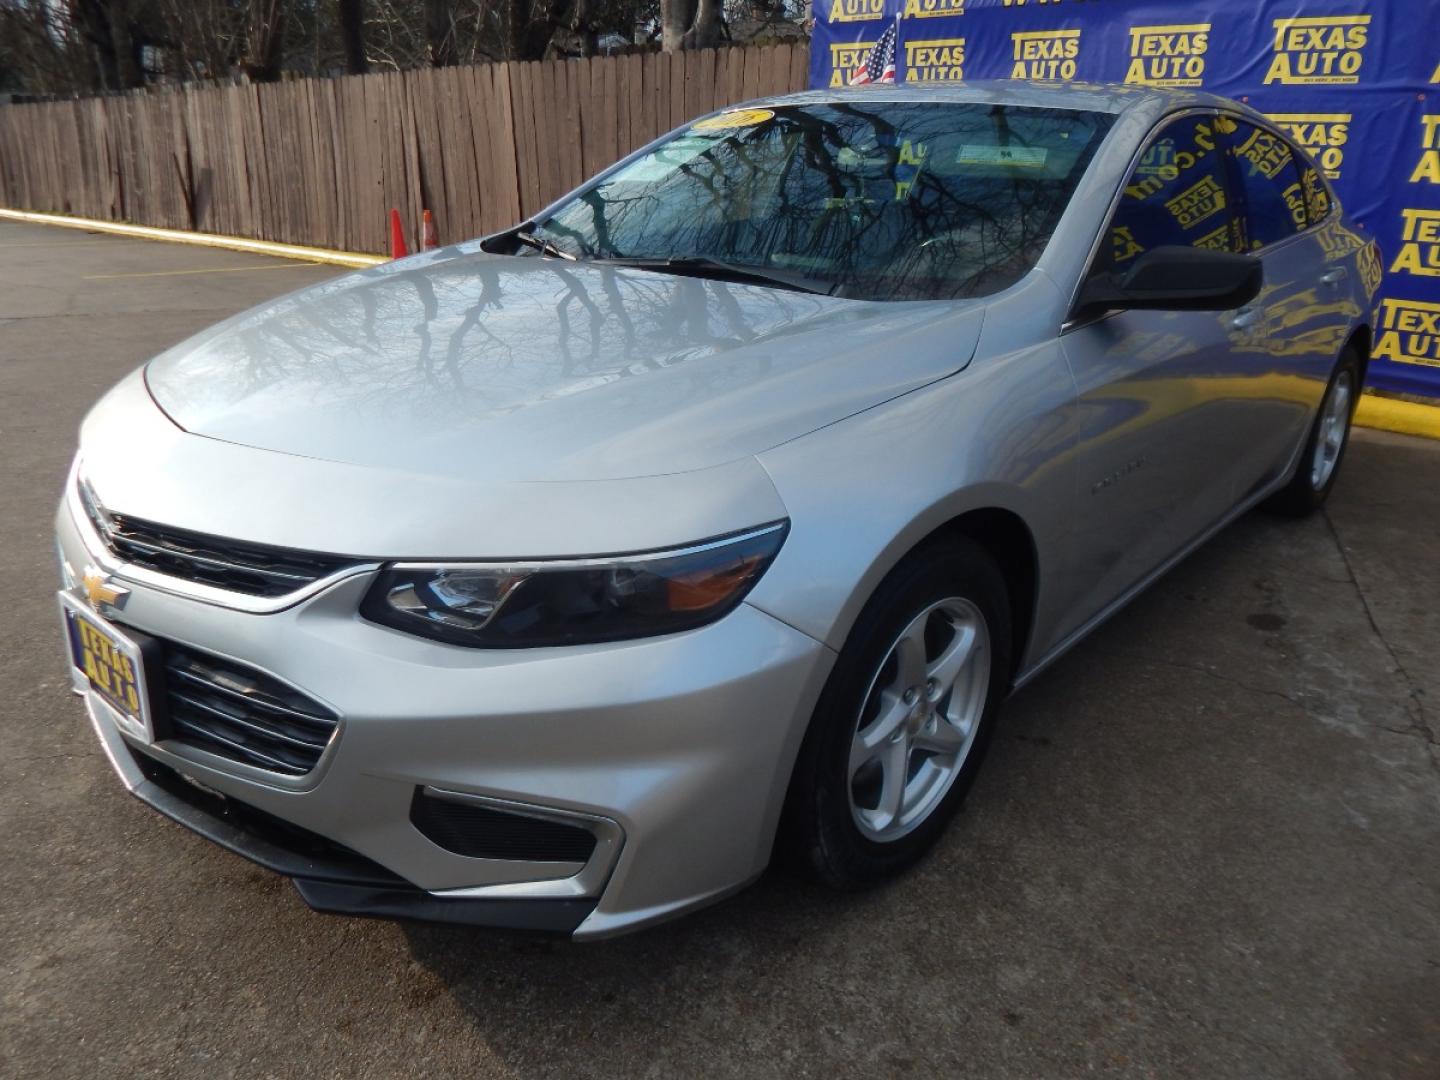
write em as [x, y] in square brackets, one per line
[180, 236]
[52, 245]
[207, 270]
[1402, 417]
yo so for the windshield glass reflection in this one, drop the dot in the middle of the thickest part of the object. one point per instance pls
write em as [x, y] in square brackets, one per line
[882, 201]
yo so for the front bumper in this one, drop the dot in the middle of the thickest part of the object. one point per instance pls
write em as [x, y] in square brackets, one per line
[675, 752]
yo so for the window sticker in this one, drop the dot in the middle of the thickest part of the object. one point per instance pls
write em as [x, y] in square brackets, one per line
[735, 118]
[664, 161]
[1015, 157]
[849, 158]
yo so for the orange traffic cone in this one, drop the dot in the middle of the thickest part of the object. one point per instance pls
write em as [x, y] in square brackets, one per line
[429, 240]
[398, 250]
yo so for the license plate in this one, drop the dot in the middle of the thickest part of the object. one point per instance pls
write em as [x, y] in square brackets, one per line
[113, 664]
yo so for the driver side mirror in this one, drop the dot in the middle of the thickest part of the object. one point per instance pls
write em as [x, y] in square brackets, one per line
[1176, 279]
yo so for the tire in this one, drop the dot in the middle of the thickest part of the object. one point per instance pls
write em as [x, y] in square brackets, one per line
[837, 817]
[1326, 445]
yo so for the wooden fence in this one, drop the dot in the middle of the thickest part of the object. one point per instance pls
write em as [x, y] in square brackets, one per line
[321, 161]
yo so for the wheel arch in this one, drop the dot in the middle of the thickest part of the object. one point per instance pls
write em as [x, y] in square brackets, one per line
[1000, 530]
[1005, 535]
[1362, 339]
[1006, 538]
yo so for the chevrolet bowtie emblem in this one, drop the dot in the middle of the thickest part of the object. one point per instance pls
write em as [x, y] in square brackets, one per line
[101, 591]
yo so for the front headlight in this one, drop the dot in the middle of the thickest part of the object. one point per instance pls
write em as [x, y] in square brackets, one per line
[572, 601]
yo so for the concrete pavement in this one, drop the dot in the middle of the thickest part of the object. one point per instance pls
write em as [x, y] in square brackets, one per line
[1205, 844]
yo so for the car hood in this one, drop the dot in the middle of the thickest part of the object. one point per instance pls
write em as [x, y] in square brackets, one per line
[468, 365]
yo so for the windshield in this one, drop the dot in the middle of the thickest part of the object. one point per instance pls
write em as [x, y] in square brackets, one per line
[878, 201]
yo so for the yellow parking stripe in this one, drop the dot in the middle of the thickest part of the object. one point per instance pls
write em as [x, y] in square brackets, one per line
[180, 236]
[67, 243]
[206, 270]
[1401, 417]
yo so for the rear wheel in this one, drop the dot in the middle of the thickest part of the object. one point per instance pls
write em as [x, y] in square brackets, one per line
[1325, 450]
[903, 723]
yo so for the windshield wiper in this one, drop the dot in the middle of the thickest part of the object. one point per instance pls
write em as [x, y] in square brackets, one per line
[545, 247]
[705, 266]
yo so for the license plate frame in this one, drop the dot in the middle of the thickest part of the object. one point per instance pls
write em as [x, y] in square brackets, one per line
[116, 665]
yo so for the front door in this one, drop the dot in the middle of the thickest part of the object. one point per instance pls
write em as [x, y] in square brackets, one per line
[1155, 440]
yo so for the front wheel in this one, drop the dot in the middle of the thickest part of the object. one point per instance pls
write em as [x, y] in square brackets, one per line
[1325, 449]
[902, 725]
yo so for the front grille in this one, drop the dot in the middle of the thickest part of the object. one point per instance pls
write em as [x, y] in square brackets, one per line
[483, 833]
[234, 565]
[242, 714]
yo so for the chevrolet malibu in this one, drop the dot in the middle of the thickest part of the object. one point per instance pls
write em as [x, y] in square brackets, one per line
[548, 581]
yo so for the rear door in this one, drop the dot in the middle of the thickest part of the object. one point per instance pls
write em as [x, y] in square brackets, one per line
[1286, 341]
[1156, 442]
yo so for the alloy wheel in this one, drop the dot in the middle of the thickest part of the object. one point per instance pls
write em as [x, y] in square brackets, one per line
[1334, 429]
[919, 719]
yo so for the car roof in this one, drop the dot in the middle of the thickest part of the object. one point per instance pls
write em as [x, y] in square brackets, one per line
[1113, 98]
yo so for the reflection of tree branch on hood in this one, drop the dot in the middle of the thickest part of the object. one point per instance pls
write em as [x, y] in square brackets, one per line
[490, 294]
[260, 362]
[430, 308]
[367, 302]
[688, 316]
[732, 313]
[279, 331]
[341, 333]
[577, 292]
[611, 284]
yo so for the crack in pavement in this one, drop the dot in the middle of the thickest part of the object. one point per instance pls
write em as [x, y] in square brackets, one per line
[1420, 725]
[1419, 731]
[1160, 661]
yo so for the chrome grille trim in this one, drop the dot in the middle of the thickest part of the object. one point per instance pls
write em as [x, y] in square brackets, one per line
[231, 565]
[93, 535]
[120, 538]
[240, 721]
[238, 695]
[234, 711]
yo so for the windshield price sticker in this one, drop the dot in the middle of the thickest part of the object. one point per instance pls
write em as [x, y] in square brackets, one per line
[735, 118]
[1016, 157]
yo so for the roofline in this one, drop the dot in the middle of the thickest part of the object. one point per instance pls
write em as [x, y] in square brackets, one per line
[1112, 98]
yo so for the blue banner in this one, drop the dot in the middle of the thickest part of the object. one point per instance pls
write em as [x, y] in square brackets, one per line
[1355, 82]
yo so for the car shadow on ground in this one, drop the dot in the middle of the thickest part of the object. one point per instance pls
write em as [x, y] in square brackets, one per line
[754, 959]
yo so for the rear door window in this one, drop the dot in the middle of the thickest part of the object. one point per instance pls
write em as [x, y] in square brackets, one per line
[1270, 187]
[1318, 200]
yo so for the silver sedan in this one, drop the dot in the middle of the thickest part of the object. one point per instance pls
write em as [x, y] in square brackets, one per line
[550, 580]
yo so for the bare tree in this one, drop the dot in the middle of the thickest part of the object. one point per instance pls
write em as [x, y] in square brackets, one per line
[89, 20]
[690, 24]
[440, 32]
[265, 40]
[350, 22]
[102, 46]
[704, 32]
[126, 46]
[675, 19]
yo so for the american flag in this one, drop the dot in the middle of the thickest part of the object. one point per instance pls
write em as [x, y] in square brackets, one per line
[879, 66]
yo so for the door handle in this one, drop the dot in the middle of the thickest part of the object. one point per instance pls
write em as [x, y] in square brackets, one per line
[1245, 318]
[1335, 277]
